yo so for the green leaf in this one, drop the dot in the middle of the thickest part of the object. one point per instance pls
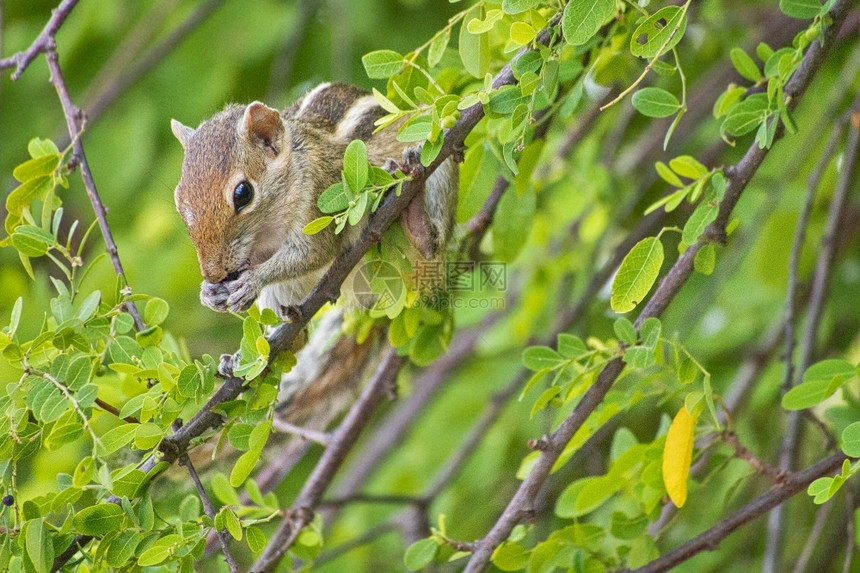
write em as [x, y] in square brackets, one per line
[116, 438]
[243, 468]
[382, 64]
[649, 332]
[513, 224]
[518, 6]
[636, 275]
[703, 216]
[98, 520]
[155, 312]
[123, 323]
[259, 436]
[420, 554]
[474, 48]
[639, 357]
[538, 357]
[667, 175]
[147, 436]
[40, 549]
[746, 116]
[510, 556]
[28, 246]
[231, 522]
[623, 527]
[706, 259]
[355, 166]
[42, 166]
[820, 381]
[745, 65]
[437, 47]
[800, 9]
[223, 490]
[38, 147]
[594, 493]
[582, 19]
[127, 484]
[21, 197]
[122, 548]
[88, 307]
[655, 102]
[416, 129]
[506, 100]
[625, 331]
[153, 556]
[650, 36]
[688, 166]
[334, 199]
[356, 212]
[522, 33]
[544, 399]
[571, 346]
[851, 440]
[255, 538]
[726, 100]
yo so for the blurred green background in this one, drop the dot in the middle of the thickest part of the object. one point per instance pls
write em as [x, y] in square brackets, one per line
[236, 54]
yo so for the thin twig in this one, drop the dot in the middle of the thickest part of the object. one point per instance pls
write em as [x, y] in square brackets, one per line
[759, 465]
[40, 45]
[287, 428]
[223, 535]
[711, 538]
[370, 499]
[363, 539]
[850, 533]
[818, 527]
[75, 123]
[113, 410]
[479, 430]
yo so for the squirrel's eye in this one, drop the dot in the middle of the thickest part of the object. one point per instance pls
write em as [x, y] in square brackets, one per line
[242, 195]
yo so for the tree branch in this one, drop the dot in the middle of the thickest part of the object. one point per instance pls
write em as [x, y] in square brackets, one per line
[223, 535]
[710, 539]
[75, 124]
[43, 41]
[759, 465]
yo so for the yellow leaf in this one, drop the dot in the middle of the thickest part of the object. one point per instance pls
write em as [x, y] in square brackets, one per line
[677, 456]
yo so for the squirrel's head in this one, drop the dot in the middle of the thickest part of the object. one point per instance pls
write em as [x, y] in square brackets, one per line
[235, 163]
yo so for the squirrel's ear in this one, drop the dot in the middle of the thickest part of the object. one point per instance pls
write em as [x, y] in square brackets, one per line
[182, 132]
[262, 123]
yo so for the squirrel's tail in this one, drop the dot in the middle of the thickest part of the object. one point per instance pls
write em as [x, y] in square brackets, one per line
[325, 381]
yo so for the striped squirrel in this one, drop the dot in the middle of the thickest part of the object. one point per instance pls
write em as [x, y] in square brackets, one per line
[250, 181]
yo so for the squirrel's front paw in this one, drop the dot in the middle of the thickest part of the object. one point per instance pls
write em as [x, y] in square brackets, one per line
[242, 292]
[214, 296]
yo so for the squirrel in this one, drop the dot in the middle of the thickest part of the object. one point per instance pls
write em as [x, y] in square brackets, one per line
[251, 177]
